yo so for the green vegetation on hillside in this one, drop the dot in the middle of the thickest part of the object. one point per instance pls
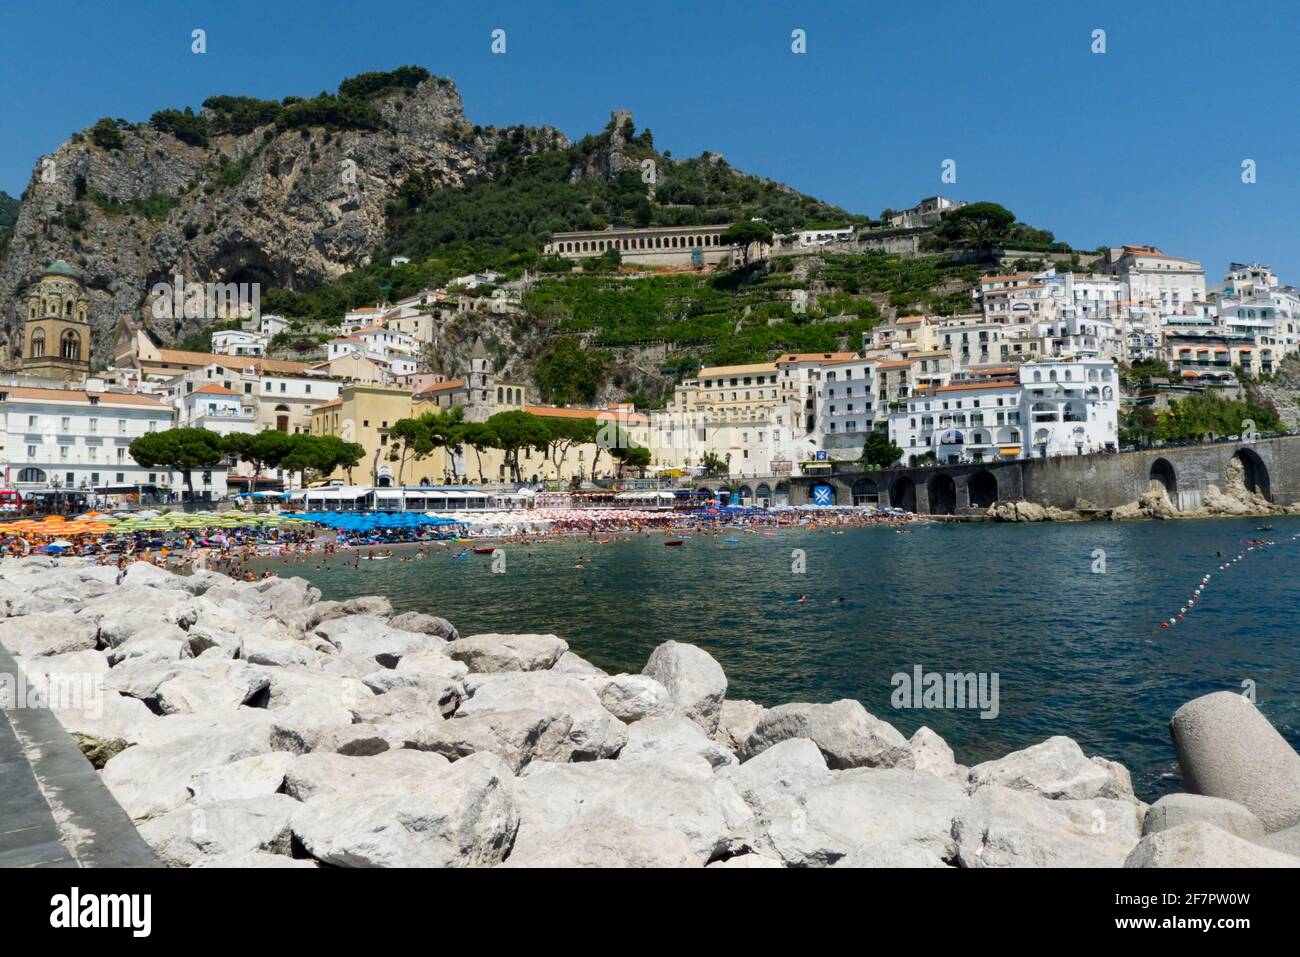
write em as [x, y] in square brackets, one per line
[349, 109]
[1195, 417]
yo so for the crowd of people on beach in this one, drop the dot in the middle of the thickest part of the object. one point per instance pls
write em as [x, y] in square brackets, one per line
[251, 553]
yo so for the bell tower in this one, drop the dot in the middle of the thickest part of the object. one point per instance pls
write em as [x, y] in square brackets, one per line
[480, 382]
[56, 336]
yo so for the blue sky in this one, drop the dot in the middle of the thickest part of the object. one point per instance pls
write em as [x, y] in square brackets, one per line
[1141, 144]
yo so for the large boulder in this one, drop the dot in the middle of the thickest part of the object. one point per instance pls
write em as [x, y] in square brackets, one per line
[671, 795]
[932, 754]
[444, 692]
[358, 740]
[161, 642]
[435, 662]
[278, 652]
[1173, 810]
[53, 633]
[310, 776]
[695, 681]
[467, 817]
[1005, 827]
[152, 778]
[810, 816]
[736, 722]
[634, 697]
[1055, 768]
[673, 735]
[186, 836]
[617, 843]
[844, 731]
[489, 653]
[425, 625]
[1227, 749]
[253, 777]
[571, 664]
[1199, 843]
[372, 637]
[563, 701]
[221, 685]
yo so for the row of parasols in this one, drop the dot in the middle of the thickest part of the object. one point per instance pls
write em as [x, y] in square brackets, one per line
[103, 523]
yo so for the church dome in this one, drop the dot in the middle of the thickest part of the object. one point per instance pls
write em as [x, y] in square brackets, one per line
[61, 267]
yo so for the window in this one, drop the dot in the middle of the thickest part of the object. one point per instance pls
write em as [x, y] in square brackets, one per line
[66, 423]
[121, 426]
[32, 423]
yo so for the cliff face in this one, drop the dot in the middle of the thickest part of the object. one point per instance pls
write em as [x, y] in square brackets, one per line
[289, 208]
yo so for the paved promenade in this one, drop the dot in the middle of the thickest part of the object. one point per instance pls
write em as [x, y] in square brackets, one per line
[54, 810]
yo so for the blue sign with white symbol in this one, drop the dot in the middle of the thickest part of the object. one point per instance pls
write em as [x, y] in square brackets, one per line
[820, 456]
[821, 494]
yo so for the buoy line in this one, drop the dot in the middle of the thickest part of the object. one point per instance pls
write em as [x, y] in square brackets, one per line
[1204, 583]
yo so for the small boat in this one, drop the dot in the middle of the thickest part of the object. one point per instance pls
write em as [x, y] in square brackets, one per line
[1263, 528]
[675, 541]
[484, 550]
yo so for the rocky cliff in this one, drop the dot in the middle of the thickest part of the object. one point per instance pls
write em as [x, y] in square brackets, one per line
[282, 207]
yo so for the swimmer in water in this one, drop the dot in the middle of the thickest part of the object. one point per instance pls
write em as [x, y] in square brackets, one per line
[801, 599]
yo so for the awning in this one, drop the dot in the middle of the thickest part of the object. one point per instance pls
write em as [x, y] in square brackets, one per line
[1008, 450]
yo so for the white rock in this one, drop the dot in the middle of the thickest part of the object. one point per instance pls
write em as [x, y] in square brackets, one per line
[846, 733]
[253, 777]
[674, 793]
[425, 625]
[695, 681]
[1055, 768]
[675, 735]
[572, 664]
[468, 819]
[1003, 827]
[634, 697]
[932, 754]
[1201, 844]
[373, 638]
[747, 861]
[396, 771]
[491, 653]
[736, 722]
[55, 633]
[188, 835]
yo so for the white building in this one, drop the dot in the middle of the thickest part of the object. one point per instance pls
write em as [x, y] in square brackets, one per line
[238, 342]
[1154, 278]
[217, 409]
[846, 406]
[271, 325]
[1048, 408]
[74, 440]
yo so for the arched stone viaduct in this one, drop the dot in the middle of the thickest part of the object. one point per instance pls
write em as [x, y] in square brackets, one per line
[1270, 467]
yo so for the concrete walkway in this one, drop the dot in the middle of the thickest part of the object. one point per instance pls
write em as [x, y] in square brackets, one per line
[54, 809]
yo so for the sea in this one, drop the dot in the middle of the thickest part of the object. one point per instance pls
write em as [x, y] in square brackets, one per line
[1063, 620]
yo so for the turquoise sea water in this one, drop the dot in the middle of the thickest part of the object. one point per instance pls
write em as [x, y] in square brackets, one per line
[1076, 652]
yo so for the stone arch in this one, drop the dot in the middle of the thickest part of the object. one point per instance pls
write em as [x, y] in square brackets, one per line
[865, 491]
[1162, 473]
[902, 494]
[1254, 472]
[943, 494]
[37, 349]
[746, 495]
[783, 493]
[70, 345]
[763, 494]
[982, 487]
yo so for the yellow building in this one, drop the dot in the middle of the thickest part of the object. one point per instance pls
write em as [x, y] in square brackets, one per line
[364, 414]
[56, 337]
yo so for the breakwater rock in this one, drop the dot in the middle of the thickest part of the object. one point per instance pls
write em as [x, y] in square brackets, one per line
[253, 724]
